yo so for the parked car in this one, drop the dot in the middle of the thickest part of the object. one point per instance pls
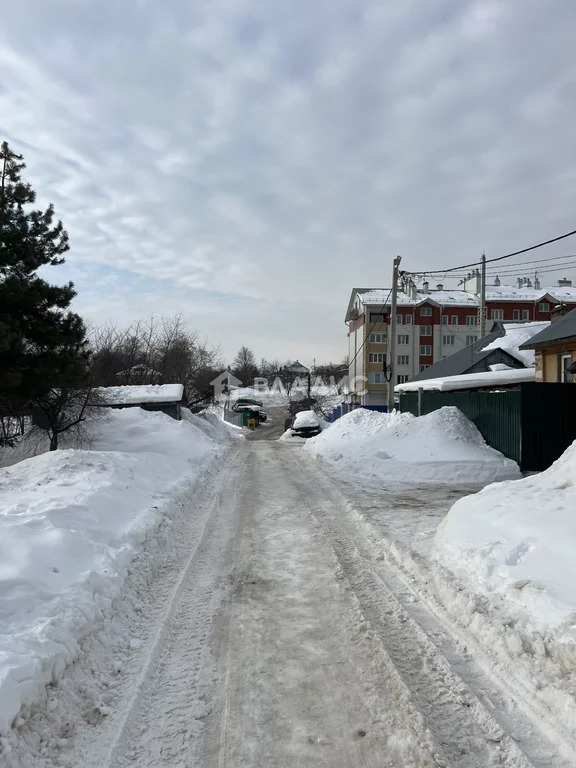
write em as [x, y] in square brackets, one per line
[306, 424]
[249, 401]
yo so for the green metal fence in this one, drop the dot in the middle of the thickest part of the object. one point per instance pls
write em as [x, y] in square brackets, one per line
[532, 425]
[548, 423]
[496, 414]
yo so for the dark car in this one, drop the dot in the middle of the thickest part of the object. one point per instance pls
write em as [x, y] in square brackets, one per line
[249, 401]
[306, 424]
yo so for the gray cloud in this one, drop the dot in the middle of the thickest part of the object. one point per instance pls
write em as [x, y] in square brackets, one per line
[251, 161]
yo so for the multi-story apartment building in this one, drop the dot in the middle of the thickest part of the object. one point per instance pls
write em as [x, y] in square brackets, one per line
[432, 324]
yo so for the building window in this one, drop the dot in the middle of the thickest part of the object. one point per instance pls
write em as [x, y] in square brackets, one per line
[444, 319]
[423, 368]
[544, 307]
[425, 330]
[376, 357]
[470, 340]
[375, 377]
[426, 311]
[448, 340]
[516, 314]
[425, 350]
[408, 319]
[402, 378]
[378, 317]
[398, 319]
[454, 320]
[497, 314]
[471, 320]
[378, 338]
[403, 339]
[525, 314]
[403, 360]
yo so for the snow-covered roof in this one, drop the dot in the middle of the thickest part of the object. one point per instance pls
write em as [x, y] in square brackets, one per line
[456, 298]
[516, 335]
[133, 394]
[471, 381]
[561, 294]
[563, 328]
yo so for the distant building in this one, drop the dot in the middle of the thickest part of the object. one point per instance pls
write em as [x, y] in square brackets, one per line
[433, 324]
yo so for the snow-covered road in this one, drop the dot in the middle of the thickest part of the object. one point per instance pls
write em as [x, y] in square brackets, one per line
[278, 633]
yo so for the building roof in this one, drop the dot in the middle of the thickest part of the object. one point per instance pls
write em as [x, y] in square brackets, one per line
[297, 367]
[556, 294]
[515, 335]
[460, 361]
[484, 380]
[459, 298]
[134, 394]
[456, 298]
[504, 336]
[564, 328]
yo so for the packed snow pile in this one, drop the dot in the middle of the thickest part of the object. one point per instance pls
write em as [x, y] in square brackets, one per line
[70, 523]
[443, 447]
[516, 541]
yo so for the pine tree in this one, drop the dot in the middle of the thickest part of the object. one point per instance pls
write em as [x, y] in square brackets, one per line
[42, 344]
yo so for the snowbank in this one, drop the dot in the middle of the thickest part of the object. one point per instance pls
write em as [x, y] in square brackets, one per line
[70, 523]
[442, 447]
[516, 540]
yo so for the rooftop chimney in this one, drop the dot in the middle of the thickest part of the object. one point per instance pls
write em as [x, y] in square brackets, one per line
[564, 283]
[496, 280]
[519, 282]
[528, 283]
[425, 287]
[536, 283]
[439, 287]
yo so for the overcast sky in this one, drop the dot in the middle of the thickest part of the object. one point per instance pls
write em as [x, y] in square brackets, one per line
[249, 161]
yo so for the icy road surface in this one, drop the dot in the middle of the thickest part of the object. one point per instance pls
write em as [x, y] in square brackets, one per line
[277, 634]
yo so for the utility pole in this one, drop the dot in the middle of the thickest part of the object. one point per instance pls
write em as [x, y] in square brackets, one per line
[392, 334]
[482, 329]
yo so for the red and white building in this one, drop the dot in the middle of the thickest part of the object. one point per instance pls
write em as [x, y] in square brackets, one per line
[433, 323]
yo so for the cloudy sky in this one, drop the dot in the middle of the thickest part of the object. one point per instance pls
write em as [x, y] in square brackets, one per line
[249, 161]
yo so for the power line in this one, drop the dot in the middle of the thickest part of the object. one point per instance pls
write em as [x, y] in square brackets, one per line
[550, 268]
[512, 269]
[498, 258]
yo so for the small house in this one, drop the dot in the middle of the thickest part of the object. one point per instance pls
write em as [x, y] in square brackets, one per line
[167, 398]
[555, 349]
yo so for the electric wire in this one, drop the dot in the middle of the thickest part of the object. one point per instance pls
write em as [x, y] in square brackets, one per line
[497, 258]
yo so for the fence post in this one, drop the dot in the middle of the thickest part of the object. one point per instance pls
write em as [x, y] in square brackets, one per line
[419, 401]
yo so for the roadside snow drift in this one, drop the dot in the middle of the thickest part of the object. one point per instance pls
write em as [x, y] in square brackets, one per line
[70, 523]
[516, 540]
[443, 447]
